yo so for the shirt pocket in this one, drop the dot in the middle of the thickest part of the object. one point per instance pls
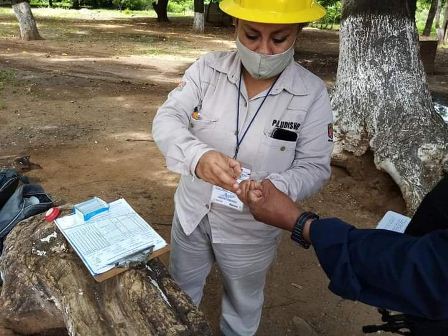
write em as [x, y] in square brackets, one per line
[274, 155]
[198, 126]
[205, 130]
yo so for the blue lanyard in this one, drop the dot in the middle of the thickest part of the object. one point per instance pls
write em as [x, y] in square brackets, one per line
[238, 140]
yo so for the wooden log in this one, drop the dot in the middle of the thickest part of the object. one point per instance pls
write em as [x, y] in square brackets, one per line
[47, 289]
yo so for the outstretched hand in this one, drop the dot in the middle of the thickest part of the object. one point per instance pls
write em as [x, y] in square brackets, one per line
[220, 170]
[269, 205]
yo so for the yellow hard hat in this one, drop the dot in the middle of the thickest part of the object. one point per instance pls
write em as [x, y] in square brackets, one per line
[273, 11]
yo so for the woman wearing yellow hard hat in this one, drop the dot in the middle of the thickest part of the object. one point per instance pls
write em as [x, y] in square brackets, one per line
[250, 113]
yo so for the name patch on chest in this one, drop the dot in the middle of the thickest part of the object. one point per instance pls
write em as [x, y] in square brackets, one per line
[292, 125]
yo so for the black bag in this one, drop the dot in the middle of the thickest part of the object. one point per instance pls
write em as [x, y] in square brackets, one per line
[28, 200]
[9, 180]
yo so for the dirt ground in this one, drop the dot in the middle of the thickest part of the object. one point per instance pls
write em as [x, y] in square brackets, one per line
[81, 103]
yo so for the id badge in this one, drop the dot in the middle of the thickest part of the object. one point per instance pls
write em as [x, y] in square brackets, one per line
[228, 198]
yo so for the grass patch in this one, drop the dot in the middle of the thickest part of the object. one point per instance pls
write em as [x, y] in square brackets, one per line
[6, 11]
[9, 26]
[6, 76]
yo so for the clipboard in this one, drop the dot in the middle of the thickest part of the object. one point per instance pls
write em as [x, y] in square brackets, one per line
[117, 270]
[110, 238]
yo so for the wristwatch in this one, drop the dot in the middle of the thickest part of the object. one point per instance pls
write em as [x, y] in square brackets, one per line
[297, 231]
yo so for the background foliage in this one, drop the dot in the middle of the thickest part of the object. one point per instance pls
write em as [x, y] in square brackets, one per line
[330, 21]
[174, 6]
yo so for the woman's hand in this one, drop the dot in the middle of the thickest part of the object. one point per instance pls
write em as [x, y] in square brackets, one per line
[243, 192]
[220, 170]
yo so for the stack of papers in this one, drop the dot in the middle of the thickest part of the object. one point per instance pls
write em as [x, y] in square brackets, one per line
[110, 237]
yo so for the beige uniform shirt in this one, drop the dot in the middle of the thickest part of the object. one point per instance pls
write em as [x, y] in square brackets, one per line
[297, 103]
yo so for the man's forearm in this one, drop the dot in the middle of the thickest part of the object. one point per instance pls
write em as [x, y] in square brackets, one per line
[384, 268]
[381, 268]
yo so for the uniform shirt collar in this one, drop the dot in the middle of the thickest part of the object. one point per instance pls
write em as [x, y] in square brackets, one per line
[290, 79]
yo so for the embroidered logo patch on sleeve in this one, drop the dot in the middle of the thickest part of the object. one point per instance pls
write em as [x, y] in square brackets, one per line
[330, 132]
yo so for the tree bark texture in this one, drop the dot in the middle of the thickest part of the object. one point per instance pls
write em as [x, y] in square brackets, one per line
[198, 21]
[382, 102]
[430, 19]
[444, 30]
[213, 14]
[199, 6]
[27, 24]
[160, 7]
[47, 288]
[75, 4]
[404, 8]
[437, 15]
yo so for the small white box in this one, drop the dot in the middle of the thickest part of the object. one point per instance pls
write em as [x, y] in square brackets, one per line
[90, 208]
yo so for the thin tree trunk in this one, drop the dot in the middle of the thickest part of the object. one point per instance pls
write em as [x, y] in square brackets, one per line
[437, 16]
[160, 6]
[430, 19]
[50, 3]
[198, 21]
[445, 25]
[27, 24]
[381, 99]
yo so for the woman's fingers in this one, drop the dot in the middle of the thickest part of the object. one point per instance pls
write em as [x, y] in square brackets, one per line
[243, 192]
[235, 166]
[230, 171]
[219, 169]
[225, 180]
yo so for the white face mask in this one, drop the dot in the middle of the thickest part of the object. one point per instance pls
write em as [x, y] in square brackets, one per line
[262, 66]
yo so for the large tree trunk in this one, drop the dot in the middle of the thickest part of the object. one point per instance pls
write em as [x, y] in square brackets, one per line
[47, 289]
[430, 19]
[160, 6]
[27, 24]
[381, 99]
[198, 21]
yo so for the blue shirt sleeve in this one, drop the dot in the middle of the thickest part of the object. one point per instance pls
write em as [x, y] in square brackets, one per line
[385, 269]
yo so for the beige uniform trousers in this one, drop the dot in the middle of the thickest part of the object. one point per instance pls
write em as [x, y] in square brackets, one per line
[243, 268]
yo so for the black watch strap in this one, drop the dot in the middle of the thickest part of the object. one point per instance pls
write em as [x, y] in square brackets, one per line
[297, 232]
